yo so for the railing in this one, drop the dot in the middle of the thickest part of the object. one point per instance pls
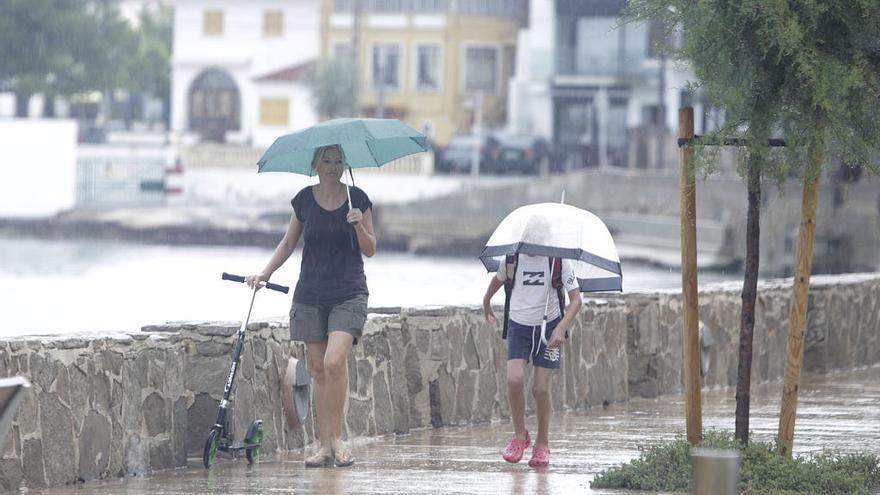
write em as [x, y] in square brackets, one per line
[121, 176]
[230, 156]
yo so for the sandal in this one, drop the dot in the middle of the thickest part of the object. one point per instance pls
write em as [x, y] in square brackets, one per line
[514, 451]
[343, 457]
[319, 459]
[540, 457]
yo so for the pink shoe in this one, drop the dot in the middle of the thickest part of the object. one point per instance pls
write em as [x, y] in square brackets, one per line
[540, 457]
[514, 451]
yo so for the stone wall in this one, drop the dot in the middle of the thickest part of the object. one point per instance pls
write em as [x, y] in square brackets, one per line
[131, 404]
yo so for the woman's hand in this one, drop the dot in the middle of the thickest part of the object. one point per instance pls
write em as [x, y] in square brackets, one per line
[355, 215]
[258, 280]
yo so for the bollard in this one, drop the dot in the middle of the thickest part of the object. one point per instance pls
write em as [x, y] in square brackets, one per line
[714, 471]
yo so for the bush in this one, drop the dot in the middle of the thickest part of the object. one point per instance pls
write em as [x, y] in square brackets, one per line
[666, 467]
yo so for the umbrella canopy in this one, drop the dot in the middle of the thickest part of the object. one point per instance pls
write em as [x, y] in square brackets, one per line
[365, 142]
[563, 231]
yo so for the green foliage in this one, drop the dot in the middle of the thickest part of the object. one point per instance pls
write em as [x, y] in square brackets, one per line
[335, 89]
[150, 68]
[805, 70]
[666, 467]
[64, 47]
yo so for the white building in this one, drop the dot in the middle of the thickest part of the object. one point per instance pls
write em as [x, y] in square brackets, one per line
[599, 90]
[239, 68]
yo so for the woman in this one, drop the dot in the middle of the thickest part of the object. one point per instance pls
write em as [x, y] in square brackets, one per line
[330, 301]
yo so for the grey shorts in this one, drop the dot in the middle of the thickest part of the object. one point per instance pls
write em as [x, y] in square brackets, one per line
[313, 322]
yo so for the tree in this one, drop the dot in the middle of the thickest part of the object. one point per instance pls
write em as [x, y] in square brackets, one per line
[32, 33]
[809, 71]
[149, 70]
[62, 47]
[334, 89]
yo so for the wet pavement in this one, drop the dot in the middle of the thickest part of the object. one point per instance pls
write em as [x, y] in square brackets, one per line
[836, 411]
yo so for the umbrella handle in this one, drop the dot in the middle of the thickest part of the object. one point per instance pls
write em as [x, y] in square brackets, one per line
[348, 193]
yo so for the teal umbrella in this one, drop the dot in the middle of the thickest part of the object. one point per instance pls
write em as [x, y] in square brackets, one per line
[366, 143]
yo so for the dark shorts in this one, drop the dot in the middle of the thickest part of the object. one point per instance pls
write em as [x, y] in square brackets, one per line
[313, 322]
[524, 342]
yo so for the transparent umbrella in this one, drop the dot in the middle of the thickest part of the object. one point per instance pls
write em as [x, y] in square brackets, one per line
[561, 231]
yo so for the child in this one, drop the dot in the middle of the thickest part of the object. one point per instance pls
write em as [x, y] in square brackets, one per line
[534, 286]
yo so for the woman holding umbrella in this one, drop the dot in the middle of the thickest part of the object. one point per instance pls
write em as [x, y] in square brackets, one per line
[330, 301]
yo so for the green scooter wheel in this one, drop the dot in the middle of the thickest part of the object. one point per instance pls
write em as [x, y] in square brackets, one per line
[209, 456]
[254, 438]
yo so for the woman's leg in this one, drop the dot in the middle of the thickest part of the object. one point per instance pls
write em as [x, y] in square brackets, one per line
[335, 386]
[516, 397]
[315, 354]
[541, 393]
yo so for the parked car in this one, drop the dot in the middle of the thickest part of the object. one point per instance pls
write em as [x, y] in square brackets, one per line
[518, 154]
[457, 155]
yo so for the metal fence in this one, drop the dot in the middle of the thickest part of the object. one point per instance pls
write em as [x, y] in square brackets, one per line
[121, 176]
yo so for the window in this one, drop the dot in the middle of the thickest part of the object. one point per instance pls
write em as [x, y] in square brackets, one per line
[428, 67]
[274, 111]
[481, 69]
[273, 23]
[386, 65]
[212, 23]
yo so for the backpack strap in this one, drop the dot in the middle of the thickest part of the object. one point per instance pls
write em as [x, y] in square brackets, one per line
[556, 283]
[510, 262]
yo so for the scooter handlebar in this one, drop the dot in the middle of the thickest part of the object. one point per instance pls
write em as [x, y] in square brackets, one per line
[269, 285]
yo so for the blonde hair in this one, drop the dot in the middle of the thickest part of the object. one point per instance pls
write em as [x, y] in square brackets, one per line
[320, 152]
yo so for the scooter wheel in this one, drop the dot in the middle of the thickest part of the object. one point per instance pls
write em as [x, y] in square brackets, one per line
[254, 438]
[210, 454]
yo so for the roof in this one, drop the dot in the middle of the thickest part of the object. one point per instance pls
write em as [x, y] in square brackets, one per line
[292, 73]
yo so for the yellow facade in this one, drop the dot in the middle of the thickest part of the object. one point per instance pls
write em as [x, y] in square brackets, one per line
[449, 109]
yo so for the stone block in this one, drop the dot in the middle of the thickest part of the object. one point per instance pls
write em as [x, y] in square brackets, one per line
[471, 356]
[94, 447]
[32, 463]
[384, 410]
[11, 474]
[56, 424]
[179, 432]
[206, 374]
[200, 416]
[359, 417]
[156, 414]
[364, 377]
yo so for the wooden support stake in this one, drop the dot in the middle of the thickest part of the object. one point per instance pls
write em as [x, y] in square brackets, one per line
[690, 322]
[797, 319]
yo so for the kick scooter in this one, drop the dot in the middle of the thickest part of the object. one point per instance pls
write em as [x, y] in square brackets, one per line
[222, 437]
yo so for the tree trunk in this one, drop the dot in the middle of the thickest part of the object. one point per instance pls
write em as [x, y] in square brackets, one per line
[22, 101]
[749, 294]
[800, 296]
[690, 305]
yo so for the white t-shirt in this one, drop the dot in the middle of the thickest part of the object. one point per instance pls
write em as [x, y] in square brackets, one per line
[531, 283]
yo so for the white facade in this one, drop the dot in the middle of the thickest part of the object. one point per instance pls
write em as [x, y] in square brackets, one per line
[37, 166]
[605, 67]
[242, 42]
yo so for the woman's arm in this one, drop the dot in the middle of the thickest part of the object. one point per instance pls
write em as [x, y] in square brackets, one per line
[364, 229]
[282, 252]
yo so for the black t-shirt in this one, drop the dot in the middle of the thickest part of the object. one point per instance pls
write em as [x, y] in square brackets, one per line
[332, 268]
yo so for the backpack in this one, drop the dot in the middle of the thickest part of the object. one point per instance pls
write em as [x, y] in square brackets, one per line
[510, 262]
